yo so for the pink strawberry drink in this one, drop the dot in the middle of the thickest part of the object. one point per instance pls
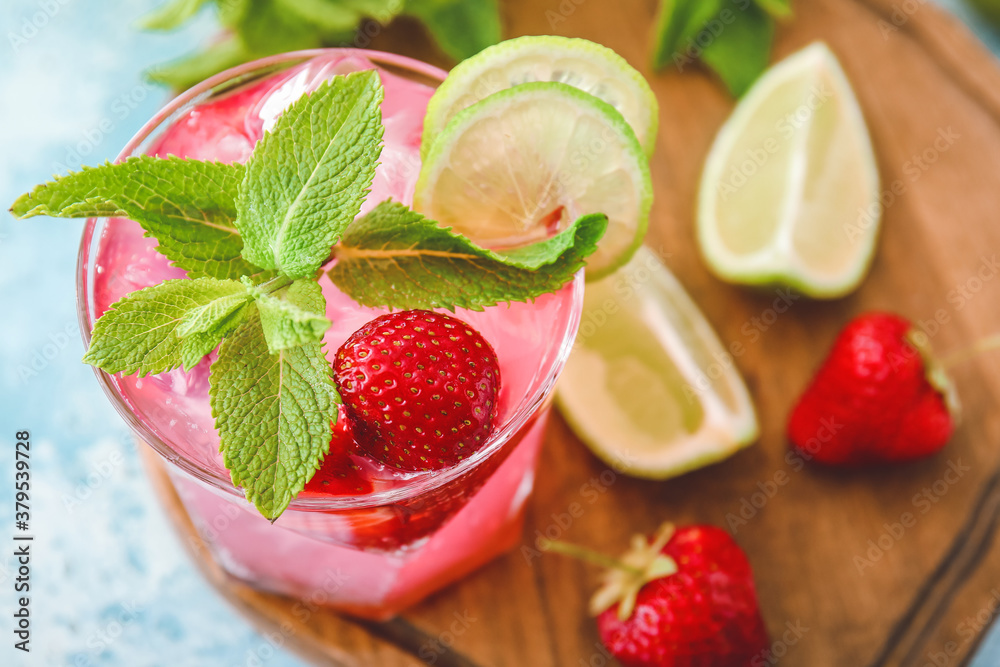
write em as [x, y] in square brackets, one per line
[398, 536]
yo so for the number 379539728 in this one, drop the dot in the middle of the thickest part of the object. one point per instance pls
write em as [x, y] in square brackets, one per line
[22, 476]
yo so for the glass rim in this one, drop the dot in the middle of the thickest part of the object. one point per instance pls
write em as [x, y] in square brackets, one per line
[523, 412]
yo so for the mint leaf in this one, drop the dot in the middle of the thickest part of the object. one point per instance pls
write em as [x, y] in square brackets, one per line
[779, 9]
[382, 11]
[741, 52]
[140, 331]
[395, 257]
[337, 19]
[462, 28]
[678, 24]
[231, 12]
[171, 14]
[266, 28]
[273, 414]
[731, 37]
[207, 317]
[188, 205]
[198, 344]
[293, 315]
[187, 71]
[308, 177]
[254, 29]
[330, 16]
[258, 28]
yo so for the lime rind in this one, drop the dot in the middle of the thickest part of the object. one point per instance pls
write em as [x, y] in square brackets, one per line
[625, 229]
[779, 264]
[728, 421]
[583, 64]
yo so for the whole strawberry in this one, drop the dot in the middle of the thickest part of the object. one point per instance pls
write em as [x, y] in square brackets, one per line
[420, 389]
[879, 397]
[681, 598]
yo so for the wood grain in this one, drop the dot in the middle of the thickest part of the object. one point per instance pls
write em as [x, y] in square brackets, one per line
[919, 76]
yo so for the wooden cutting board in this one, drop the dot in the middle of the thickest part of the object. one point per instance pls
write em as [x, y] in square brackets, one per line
[822, 546]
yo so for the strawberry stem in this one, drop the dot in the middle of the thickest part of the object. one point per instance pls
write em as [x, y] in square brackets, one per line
[966, 353]
[587, 555]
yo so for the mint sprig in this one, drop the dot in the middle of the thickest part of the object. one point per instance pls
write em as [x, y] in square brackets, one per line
[258, 28]
[395, 257]
[253, 240]
[733, 37]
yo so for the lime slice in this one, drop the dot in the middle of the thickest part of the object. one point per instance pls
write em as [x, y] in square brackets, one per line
[648, 386]
[592, 68]
[790, 191]
[526, 162]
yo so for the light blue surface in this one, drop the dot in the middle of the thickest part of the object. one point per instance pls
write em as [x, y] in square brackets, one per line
[110, 585]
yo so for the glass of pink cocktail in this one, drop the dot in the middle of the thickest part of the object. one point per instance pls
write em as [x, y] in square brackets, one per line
[391, 537]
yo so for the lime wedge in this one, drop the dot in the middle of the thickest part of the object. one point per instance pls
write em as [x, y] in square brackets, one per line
[592, 68]
[648, 386]
[790, 190]
[526, 162]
